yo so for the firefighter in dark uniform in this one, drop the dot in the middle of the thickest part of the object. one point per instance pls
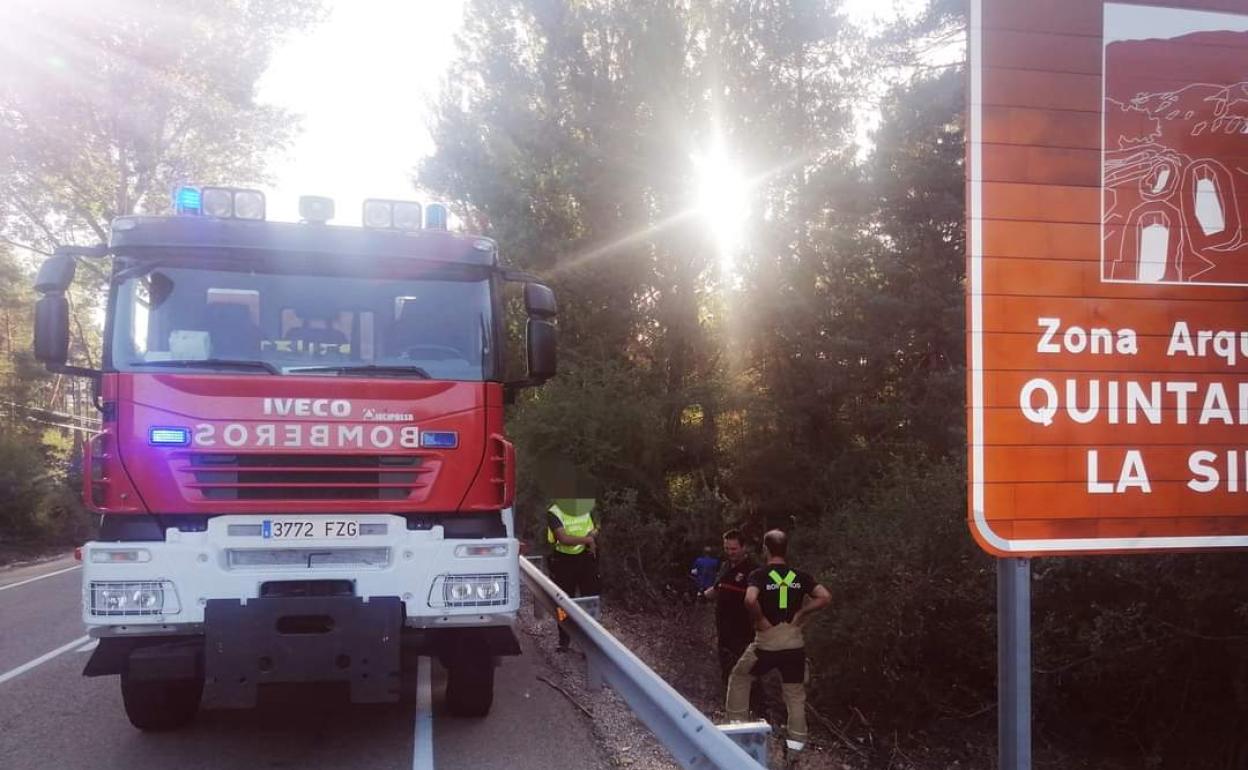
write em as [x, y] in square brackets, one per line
[571, 532]
[780, 600]
[733, 628]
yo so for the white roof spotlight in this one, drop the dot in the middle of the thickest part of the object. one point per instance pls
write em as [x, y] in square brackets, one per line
[392, 215]
[407, 215]
[248, 204]
[316, 209]
[217, 202]
[232, 203]
[378, 213]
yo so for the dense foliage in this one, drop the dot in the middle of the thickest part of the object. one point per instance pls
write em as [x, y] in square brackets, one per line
[815, 380]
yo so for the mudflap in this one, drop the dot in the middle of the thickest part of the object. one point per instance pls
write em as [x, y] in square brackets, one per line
[283, 640]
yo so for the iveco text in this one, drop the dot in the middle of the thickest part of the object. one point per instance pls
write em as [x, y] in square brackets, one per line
[307, 407]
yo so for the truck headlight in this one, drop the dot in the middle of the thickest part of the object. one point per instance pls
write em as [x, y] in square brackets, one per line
[489, 589]
[474, 590]
[110, 598]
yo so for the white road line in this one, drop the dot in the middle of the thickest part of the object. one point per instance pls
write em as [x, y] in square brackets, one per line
[89, 646]
[44, 658]
[422, 752]
[40, 577]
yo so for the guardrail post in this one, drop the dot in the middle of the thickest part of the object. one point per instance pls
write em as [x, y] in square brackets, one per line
[539, 610]
[751, 736]
[591, 605]
[593, 669]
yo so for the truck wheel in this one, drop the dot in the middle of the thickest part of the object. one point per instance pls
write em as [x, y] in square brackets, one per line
[158, 706]
[470, 687]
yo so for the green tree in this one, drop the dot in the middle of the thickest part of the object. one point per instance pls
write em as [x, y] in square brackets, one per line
[568, 131]
[105, 108]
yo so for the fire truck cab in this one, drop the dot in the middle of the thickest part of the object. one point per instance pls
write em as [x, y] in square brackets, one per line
[302, 474]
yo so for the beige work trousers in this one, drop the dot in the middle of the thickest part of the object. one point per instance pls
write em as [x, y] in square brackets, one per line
[784, 636]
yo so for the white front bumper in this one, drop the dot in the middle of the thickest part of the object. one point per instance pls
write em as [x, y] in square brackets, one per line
[232, 559]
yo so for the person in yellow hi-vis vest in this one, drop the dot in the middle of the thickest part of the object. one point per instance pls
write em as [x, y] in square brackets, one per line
[780, 600]
[571, 532]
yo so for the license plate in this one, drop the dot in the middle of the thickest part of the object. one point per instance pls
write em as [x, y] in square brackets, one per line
[309, 529]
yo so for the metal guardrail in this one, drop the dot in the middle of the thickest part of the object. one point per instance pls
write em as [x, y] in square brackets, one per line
[693, 740]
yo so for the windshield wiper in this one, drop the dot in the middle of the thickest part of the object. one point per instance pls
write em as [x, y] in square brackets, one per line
[220, 363]
[366, 370]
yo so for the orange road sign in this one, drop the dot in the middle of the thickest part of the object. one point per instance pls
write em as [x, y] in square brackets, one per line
[1107, 273]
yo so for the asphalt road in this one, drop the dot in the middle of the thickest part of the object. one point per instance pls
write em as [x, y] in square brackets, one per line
[50, 715]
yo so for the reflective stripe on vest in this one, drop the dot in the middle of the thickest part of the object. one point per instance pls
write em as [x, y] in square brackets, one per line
[577, 526]
[784, 583]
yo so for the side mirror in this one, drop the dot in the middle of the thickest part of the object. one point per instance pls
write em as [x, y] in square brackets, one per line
[55, 274]
[541, 347]
[52, 328]
[539, 301]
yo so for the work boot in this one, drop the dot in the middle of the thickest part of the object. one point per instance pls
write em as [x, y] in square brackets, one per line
[793, 751]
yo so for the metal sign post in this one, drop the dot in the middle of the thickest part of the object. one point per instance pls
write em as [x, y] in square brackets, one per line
[1014, 664]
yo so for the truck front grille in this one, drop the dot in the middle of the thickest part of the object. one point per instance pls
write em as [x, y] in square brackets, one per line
[256, 476]
[308, 558]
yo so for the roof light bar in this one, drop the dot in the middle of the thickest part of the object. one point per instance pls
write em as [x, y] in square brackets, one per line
[219, 202]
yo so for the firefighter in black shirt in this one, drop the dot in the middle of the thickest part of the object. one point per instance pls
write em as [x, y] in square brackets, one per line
[733, 628]
[780, 600]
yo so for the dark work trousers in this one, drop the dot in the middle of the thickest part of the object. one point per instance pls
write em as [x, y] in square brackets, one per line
[731, 646]
[576, 575]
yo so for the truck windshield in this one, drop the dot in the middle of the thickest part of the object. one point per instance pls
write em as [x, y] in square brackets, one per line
[437, 326]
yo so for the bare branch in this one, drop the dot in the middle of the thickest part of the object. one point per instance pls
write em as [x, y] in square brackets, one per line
[82, 212]
[12, 242]
[33, 217]
[95, 226]
[567, 695]
[82, 336]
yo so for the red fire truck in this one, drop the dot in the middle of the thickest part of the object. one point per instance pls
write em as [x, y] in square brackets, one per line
[302, 472]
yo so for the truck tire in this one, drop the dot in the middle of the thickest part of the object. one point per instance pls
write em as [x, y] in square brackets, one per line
[158, 706]
[470, 686]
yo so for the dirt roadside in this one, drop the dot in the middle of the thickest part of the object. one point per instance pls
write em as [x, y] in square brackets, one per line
[17, 555]
[679, 648]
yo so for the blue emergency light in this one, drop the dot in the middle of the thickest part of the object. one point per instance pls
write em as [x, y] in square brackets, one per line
[188, 200]
[439, 439]
[169, 436]
[436, 216]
